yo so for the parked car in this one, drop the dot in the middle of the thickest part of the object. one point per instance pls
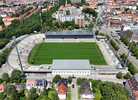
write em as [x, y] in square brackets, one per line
[72, 85]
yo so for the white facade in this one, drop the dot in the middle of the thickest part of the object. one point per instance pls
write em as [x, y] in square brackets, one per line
[40, 87]
[62, 96]
[71, 72]
[88, 96]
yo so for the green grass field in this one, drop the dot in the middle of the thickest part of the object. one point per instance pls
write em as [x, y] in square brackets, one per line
[44, 53]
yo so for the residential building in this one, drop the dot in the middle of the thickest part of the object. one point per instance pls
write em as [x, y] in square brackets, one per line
[2, 88]
[75, 1]
[86, 90]
[62, 89]
[132, 84]
[135, 95]
[36, 84]
[128, 34]
[30, 83]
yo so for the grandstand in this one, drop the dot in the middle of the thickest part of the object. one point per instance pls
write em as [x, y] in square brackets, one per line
[24, 48]
[108, 55]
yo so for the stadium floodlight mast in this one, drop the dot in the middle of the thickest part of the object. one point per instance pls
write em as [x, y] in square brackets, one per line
[133, 36]
[41, 22]
[14, 39]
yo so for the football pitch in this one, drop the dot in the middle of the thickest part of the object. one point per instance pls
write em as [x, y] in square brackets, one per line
[44, 53]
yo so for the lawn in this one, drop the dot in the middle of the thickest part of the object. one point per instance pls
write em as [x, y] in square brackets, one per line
[69, 89]
[68, 96]
[98, 95]
[44, 53]
[50, 94]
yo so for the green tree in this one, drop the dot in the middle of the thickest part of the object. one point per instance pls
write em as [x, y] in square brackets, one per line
[14, 95]
[127, 75]
[79, 81]
[119, 75]
[32, 90]
[112, 91]
[96, 32]
[69, 79]
[5, 77]
[1, 80]
[2, 96]
[45, 92]
[9, 88]
[33, 96]
[55, 96]
[15, 76]
[56, 78]
[91, 25]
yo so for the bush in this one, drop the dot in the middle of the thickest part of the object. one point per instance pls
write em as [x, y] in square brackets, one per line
[127, 75]
[119, 75]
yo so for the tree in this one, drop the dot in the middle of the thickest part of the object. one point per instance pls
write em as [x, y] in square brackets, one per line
[1, 80]
[69, 79]
[45, 92]
[15, 76]
[127, 75]
[96, 32]
[55, 96]
[9, 88]
[14, 95]
[79, 81]
[91, 25]
[32, 90]
[67, 12]
[33, 96]
[56, 78]
[2, 96]
[5, 77]
[119, 75]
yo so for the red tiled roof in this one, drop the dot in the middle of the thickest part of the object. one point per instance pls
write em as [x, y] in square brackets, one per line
[2, 87]
[135, 95]
[129, 33]
[62, 89]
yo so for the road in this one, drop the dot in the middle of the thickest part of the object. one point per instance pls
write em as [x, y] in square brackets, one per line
[74, 91]
[111, 78]
[121, 47]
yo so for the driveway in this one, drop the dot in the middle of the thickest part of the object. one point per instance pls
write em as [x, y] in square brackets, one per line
[74, 91]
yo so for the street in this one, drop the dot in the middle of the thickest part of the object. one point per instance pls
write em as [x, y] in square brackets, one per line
[121, 45]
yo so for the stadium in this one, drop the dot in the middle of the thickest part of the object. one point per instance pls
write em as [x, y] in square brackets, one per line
[56, 53]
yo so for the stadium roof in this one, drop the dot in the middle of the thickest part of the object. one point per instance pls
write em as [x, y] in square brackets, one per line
[71, 65]
[72, 32]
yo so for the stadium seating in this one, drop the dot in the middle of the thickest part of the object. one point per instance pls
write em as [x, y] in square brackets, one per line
[24, 48]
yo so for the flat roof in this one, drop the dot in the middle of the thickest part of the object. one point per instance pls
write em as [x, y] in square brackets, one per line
[71, 64]
[71, 32]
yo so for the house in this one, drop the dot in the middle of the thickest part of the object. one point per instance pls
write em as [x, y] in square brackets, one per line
[132, 85]
[135, 95]
[128, 34]
[40, 84]
[36, 84]
[86, 90]
[2, 88]
[62, 90]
